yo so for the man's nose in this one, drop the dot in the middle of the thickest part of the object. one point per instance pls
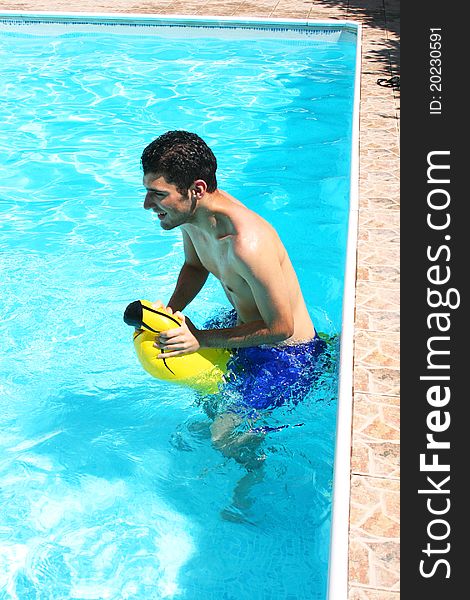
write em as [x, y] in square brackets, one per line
[147, 201]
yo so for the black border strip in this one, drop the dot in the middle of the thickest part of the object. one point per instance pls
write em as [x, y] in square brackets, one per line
[434, 278]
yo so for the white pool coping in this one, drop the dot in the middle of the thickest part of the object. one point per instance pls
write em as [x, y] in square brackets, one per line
[339, 550]
[339, 545]
[173, 18]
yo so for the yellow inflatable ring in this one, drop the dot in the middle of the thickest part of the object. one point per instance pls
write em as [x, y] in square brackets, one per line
[203, 370]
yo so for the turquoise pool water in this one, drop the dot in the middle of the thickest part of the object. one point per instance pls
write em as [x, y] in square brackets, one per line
[110, 485]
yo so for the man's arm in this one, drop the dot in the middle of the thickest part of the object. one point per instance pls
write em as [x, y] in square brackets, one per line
[263, 273]
[192, 277]
[241, 336]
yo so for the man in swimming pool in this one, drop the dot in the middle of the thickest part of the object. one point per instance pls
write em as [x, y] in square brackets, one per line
[223, 237]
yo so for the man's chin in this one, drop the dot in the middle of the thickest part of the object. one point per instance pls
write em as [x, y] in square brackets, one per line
[167, 226]
[168, 223]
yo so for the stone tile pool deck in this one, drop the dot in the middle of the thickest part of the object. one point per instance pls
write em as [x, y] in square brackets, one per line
[374, 502]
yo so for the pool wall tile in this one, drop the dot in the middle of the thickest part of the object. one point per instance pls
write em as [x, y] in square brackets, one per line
[378, 320]
[377, 296]
[376, 380]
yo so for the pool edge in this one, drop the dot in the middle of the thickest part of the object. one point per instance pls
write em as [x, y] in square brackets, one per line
[338, 572]
[179, 17]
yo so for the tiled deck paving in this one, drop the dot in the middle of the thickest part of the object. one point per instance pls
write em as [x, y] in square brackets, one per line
[374, 519]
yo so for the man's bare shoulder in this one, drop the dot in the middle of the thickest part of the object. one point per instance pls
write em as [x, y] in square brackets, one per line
[247, 221]
[255, 240]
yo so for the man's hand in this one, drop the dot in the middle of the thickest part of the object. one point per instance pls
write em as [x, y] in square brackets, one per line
[177, 341]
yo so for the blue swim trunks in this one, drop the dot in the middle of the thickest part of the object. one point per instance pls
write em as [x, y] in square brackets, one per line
[263, 377]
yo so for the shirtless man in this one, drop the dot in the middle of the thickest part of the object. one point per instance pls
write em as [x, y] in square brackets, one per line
[274, 343]
[223, 237]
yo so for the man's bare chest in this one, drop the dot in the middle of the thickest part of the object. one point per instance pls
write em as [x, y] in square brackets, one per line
[217, 257]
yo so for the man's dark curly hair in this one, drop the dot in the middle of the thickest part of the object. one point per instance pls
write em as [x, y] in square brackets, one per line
[181, 157]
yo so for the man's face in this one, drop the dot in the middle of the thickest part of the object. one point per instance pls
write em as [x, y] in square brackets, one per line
[172, 208]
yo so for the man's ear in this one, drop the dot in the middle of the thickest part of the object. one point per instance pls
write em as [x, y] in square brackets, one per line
[200, 187]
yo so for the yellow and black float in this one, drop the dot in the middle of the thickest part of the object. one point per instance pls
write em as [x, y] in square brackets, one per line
[203, 370]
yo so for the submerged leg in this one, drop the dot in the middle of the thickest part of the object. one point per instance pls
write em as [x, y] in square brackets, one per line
[241, 446]
[244, 448]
